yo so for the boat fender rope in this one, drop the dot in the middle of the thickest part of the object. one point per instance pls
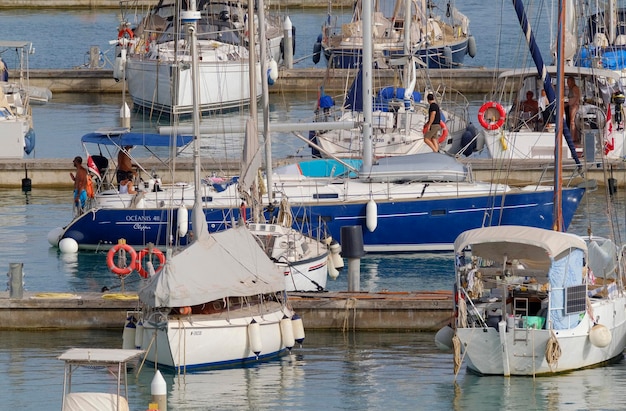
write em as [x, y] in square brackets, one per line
[121, 270]
[553, 351]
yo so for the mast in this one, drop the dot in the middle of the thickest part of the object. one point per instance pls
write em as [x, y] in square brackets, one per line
[557, 214]
[367, 84]
[541, 68]
[198, 220]
[265, 101]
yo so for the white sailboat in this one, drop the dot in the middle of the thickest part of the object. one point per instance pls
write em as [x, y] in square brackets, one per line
[156, 64]
[16, 123]
[220, 301]
[532, 301]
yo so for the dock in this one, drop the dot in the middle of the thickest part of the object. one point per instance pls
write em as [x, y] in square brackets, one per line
[87, 80]
[347, 311]
[53, 173]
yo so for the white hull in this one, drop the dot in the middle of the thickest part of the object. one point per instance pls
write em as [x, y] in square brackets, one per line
[528, 302]
[526, 136]
[213, 340]
[13, 130]
[223, 80]
[522, 351]
[302, 258]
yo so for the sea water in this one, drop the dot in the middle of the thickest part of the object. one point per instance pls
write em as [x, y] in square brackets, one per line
[332, 370]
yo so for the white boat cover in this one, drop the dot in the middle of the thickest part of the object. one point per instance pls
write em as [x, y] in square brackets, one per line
[94, 401]
[534, 247]
[228, 263]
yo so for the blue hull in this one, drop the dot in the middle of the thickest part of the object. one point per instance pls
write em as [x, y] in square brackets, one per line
[435, 57]
[415, 225]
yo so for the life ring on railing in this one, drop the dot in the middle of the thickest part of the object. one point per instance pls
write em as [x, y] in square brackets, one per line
[140, 257]
[125, 30]
[121, 270]
[487, 115]
[444, 132]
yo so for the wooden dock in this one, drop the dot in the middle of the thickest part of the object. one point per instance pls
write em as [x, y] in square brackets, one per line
[362, 311]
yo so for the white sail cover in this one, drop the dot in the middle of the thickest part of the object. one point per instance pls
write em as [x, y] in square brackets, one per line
[229, 263]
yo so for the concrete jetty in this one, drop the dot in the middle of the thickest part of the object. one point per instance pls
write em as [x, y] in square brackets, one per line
[87, 80]
[363, 311]
[54, 173]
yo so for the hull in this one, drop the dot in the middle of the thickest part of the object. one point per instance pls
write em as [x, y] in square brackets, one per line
[449, 56]
[525, 348]
[199, 341]
[423, 223]
[224, 85]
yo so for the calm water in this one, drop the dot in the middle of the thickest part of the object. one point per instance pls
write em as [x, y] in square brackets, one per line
[398, 371]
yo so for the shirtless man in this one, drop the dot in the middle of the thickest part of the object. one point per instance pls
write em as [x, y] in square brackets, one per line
[573, 101]
[80, 183]
[124, 165]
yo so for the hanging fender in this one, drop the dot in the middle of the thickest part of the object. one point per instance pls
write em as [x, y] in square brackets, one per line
[140, 257]
[492, 122]
[121, 270]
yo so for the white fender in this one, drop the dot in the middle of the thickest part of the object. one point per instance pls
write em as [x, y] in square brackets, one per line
[298, 328]
[443, 338]
[600, 336]
[335, 253]
[68, 245]
[120, 66]
[254, 337]
[128, 336]
[54, 236]
[139, 335]
[286, 331]
[332, 271]
[371, 216]
[273, 69]
[183, 221]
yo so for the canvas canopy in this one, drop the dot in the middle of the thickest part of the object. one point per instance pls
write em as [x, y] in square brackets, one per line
[228, 263]
[533, 247]
[122, 137]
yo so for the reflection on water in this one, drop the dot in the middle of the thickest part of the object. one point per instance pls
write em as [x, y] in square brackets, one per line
[592, 389]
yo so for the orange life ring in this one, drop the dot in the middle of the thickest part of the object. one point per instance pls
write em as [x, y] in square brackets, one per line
[140, 257]
[444, 132]
[121, 270]
[487, 118]
[126, 30]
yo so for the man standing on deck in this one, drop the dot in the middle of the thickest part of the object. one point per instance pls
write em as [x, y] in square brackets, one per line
[80, 183]
[432, 127]
[125, 169]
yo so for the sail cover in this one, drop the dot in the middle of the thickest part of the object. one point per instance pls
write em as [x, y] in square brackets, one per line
[229, 263]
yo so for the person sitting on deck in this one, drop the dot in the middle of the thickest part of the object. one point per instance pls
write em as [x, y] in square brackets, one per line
[127, 187]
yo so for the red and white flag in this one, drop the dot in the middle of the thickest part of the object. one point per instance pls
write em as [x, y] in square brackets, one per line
[609, 142]
[91, 166]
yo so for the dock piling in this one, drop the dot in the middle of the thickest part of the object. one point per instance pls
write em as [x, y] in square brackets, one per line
[16, 280]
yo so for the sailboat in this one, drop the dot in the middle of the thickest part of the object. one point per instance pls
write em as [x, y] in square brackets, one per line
[419, 202]
[532, 301]
[155, 58]
[438, 41]
[220, 301]
[16, 123]
[399, 115]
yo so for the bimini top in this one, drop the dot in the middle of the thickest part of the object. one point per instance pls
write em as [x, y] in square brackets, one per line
[533, 245]
[123, 137]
